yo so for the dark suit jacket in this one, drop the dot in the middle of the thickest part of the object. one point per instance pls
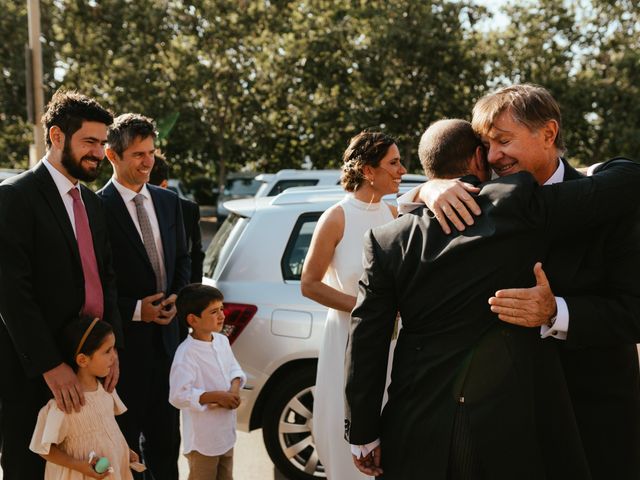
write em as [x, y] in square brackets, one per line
[451, 345]
[597, 274]
[135, 276]
[41, 279]
[191, 215]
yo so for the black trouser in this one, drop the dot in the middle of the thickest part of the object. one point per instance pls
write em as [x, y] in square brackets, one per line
[464, 461]
[144, 389]
[20, 407]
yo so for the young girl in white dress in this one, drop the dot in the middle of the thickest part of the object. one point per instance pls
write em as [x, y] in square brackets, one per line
[371, 169]
[65, 440]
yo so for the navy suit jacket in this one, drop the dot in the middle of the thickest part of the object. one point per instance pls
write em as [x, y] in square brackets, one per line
[135, 276]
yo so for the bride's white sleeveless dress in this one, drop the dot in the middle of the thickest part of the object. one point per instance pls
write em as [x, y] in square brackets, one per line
[343, 274]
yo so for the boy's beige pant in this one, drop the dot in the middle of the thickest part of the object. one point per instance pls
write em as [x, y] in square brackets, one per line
[204, 467]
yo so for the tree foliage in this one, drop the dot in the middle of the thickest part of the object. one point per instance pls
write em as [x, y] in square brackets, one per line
[267, 84]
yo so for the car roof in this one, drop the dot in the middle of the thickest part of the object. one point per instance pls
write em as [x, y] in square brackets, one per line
[9, 172]
[290, 173]
[318, 196]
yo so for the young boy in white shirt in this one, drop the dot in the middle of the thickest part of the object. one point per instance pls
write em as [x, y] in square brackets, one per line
[204, 383]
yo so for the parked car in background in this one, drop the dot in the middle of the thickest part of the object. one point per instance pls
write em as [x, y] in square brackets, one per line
[177, 187]
[8, 173]
[237, 185]
[256, 260]
[276, 183]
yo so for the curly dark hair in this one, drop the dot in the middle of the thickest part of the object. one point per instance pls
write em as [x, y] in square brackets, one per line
[68, 109]
[366, 148]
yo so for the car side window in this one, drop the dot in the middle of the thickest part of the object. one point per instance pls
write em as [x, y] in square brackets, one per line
[282, 185]
[298, 246]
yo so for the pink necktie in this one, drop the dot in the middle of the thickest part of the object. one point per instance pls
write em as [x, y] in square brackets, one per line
[93, 299]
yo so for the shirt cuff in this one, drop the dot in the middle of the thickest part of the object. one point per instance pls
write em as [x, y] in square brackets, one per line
[137, 313]
[196, 393]
[361, 451]
[561, 325]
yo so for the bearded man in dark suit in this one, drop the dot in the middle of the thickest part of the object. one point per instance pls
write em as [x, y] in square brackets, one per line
[468, 393]
[591, 303]
[55, 264]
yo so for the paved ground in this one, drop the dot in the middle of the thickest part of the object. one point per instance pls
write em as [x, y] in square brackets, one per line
[251, 461]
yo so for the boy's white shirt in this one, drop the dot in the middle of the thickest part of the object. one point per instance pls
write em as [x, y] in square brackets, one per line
[200, 367]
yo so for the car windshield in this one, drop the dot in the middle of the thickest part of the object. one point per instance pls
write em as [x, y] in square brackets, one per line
[242, 186]
[222, 245]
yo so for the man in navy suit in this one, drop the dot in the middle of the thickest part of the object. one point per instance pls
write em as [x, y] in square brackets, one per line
[152, 265]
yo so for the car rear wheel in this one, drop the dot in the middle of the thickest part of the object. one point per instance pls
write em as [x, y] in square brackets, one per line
[287, 429]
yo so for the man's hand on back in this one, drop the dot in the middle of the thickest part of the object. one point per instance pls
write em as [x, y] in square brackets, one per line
[450, 199]
[526, 307]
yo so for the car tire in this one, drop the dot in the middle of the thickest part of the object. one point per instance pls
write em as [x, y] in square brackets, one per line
[288, 423]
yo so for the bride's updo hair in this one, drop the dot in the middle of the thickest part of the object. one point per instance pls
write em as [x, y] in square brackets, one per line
[366, 148]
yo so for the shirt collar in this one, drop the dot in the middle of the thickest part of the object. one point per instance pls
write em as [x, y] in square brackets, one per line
[63, 184]
[201, 344]
[558, 175]
[127, 194]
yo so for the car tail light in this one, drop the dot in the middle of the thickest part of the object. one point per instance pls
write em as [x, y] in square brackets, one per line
[237, 316]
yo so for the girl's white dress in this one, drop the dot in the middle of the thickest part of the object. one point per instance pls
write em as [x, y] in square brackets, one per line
[93, 428]
[343, 274]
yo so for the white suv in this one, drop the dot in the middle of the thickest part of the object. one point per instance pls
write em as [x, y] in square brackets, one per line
[256, 260]
[276, 183]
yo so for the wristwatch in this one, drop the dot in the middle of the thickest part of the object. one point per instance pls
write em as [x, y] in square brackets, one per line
[552, 321]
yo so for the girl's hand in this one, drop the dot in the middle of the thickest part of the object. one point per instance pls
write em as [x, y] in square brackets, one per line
[133, 457]
[86, 469]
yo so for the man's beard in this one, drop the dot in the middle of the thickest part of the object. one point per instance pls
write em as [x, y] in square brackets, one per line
[74, 167]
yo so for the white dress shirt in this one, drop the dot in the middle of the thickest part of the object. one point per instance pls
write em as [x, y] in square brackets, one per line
[127, 197]
[200, 367]
[63, 184]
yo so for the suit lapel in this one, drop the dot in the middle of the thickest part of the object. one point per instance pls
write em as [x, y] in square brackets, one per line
[52, 196]
[570, 173]
[116, 205]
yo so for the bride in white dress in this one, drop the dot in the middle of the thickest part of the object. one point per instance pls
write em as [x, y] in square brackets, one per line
[371, 169]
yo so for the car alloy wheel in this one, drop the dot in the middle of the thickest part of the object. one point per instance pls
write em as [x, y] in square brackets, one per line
[288, 427]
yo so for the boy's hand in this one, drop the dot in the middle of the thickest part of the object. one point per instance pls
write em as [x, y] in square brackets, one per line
[229, 400]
